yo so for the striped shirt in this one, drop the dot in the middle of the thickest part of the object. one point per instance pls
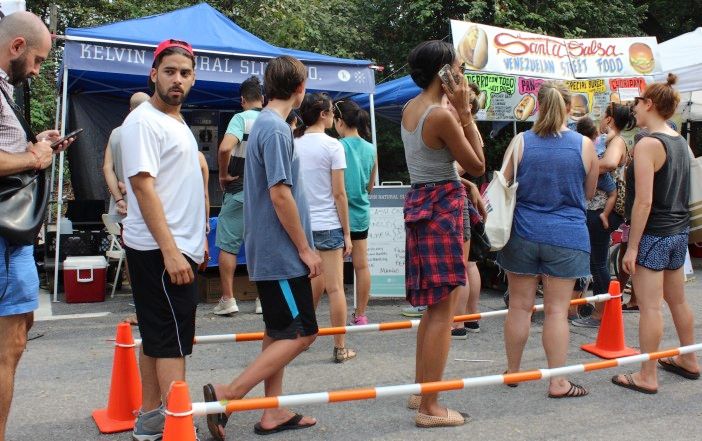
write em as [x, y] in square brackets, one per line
[13, 139]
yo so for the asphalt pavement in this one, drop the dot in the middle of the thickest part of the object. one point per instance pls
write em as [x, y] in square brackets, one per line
[65, 374]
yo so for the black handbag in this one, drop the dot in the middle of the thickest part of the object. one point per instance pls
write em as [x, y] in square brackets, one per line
[479, 242]
[23, 197]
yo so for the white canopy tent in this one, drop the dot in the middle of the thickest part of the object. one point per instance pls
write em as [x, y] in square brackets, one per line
[681, 56]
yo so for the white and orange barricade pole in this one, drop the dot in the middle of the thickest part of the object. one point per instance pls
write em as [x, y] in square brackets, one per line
[372, 393]
[381, 327]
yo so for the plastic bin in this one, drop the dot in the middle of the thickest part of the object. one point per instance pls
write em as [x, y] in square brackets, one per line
[84, 279]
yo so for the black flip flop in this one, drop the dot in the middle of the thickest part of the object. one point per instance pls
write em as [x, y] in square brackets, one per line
[292, 424]
[629, 384]
[217, 420]
[626, 307]
[670, 365]
[575, 391]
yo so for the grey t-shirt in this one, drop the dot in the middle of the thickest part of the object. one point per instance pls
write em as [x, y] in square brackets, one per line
[270, 160]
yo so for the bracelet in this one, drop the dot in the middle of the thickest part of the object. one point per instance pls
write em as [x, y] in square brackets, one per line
[119, 200]
[37, 164]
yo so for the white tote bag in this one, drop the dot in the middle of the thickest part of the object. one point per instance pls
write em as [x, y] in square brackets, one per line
[695, 205]
[500, 199]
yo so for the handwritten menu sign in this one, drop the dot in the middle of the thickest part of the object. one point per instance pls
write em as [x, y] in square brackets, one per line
[386, 241]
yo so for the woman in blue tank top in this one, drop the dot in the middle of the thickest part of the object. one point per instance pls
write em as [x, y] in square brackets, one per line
[658, 193]
[557, 172]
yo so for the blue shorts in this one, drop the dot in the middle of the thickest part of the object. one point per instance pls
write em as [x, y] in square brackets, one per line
[19, 282]
[326, 240]
[660, 253]
[521, 256]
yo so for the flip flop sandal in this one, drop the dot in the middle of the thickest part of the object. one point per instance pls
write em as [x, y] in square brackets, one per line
[292, 424]
[218, 421]
[510, 384]
[452, 418]
[414, 401]
[629, 384]
[671, 366]
[626, 307]
[575, 391]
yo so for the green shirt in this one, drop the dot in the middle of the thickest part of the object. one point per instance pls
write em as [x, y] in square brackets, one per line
[360, 158]
[240, 126]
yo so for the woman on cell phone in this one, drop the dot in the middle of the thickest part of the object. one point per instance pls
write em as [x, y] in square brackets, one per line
[435, 269]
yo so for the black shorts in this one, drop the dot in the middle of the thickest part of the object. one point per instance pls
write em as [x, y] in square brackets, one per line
[288, 308]
[359, 235]
[166, 312]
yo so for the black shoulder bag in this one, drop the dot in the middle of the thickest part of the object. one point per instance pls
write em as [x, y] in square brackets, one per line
[23, 196]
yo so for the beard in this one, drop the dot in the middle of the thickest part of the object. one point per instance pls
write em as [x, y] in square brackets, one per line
[170, 100]
[18, 72]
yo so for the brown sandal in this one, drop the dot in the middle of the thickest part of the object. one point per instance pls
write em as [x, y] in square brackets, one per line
[343, 354]
[452, 418]
[414, 401]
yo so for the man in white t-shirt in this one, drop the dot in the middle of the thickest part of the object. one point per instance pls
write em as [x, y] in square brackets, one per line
[164, 231]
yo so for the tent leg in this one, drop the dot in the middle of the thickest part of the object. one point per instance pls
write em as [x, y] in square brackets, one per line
[64, 115]
[53, 162]
[374, 136]
[514, 128]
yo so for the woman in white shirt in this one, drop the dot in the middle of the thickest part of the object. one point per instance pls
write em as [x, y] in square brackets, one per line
[322, 164]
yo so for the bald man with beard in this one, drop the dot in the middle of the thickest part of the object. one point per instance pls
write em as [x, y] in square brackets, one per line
[25, 43]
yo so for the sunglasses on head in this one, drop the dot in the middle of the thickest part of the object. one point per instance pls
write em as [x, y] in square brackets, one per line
[337, 109]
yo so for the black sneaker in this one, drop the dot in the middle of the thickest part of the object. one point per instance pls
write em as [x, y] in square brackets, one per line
[472, 327]
[459, 334]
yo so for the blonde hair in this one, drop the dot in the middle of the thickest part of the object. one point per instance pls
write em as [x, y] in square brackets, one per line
[552, 98]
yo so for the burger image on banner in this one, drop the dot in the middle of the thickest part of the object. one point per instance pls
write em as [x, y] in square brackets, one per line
[473, 48]
[641, 58]
[525, 107]
[579, 106]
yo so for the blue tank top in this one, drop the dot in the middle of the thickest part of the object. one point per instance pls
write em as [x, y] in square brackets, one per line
[551, 196]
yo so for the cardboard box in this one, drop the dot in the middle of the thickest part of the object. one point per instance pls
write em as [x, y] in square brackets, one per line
[210, 287]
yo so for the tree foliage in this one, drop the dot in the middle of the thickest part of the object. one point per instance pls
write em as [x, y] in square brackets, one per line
[381, 30]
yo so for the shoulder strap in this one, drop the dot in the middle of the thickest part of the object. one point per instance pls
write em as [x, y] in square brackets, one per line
[18, 113]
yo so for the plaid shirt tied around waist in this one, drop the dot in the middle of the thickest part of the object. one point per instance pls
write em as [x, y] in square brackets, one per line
[434, 263]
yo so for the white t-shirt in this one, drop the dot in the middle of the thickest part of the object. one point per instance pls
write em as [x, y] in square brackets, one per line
[319, 154]
[164, 147]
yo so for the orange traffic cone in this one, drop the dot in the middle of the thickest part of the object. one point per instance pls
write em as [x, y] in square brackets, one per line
[125, 388]
[610, 338]
[179, 414]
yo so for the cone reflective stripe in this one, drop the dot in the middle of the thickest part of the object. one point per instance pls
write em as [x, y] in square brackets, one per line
[125, 386]
[212, 407]
[375, 327]
[610, 341]
[179, 414]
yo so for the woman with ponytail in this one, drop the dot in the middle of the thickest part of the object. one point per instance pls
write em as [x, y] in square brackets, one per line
[557, 173]
[353, 125]
[657, 196]
[322, 165]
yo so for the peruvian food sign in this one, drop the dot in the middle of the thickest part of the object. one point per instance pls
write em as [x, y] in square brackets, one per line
[509, 52]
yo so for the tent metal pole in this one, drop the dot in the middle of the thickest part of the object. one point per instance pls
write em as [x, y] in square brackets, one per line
[514, 128]
[371, 101]
[64, 115]
[53, 161]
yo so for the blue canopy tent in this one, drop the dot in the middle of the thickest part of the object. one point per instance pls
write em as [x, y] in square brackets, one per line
[104, 65]
[390, 97]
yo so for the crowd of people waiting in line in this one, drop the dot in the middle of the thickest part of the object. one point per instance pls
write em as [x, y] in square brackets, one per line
[307, 195]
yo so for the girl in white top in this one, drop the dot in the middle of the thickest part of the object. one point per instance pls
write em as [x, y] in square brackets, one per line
[322, 164]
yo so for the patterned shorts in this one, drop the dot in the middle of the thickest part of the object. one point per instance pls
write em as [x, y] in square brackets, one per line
[660, 253]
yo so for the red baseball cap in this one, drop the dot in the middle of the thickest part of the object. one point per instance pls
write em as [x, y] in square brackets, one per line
[165, 44]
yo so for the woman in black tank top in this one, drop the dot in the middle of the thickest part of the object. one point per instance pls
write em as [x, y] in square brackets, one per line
[658, 188]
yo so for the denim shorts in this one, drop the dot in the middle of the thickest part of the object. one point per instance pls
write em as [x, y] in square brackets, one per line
[521, 256]
[662, 253]
[326, 240]
[19, 282]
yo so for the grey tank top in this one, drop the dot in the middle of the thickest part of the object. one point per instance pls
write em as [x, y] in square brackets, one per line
[671, 189]
[426, 164]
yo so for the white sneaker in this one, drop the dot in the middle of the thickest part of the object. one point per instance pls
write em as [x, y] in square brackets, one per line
[225, 307]
[259, 310]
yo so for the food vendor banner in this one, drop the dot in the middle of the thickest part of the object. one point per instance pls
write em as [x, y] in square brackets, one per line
[510, 52]
[510, 97]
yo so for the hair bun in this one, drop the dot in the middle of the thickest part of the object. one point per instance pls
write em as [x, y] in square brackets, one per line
[672, 79]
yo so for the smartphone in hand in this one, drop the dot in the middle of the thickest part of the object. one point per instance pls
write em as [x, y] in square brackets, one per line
[73, 134]
[444, 74]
